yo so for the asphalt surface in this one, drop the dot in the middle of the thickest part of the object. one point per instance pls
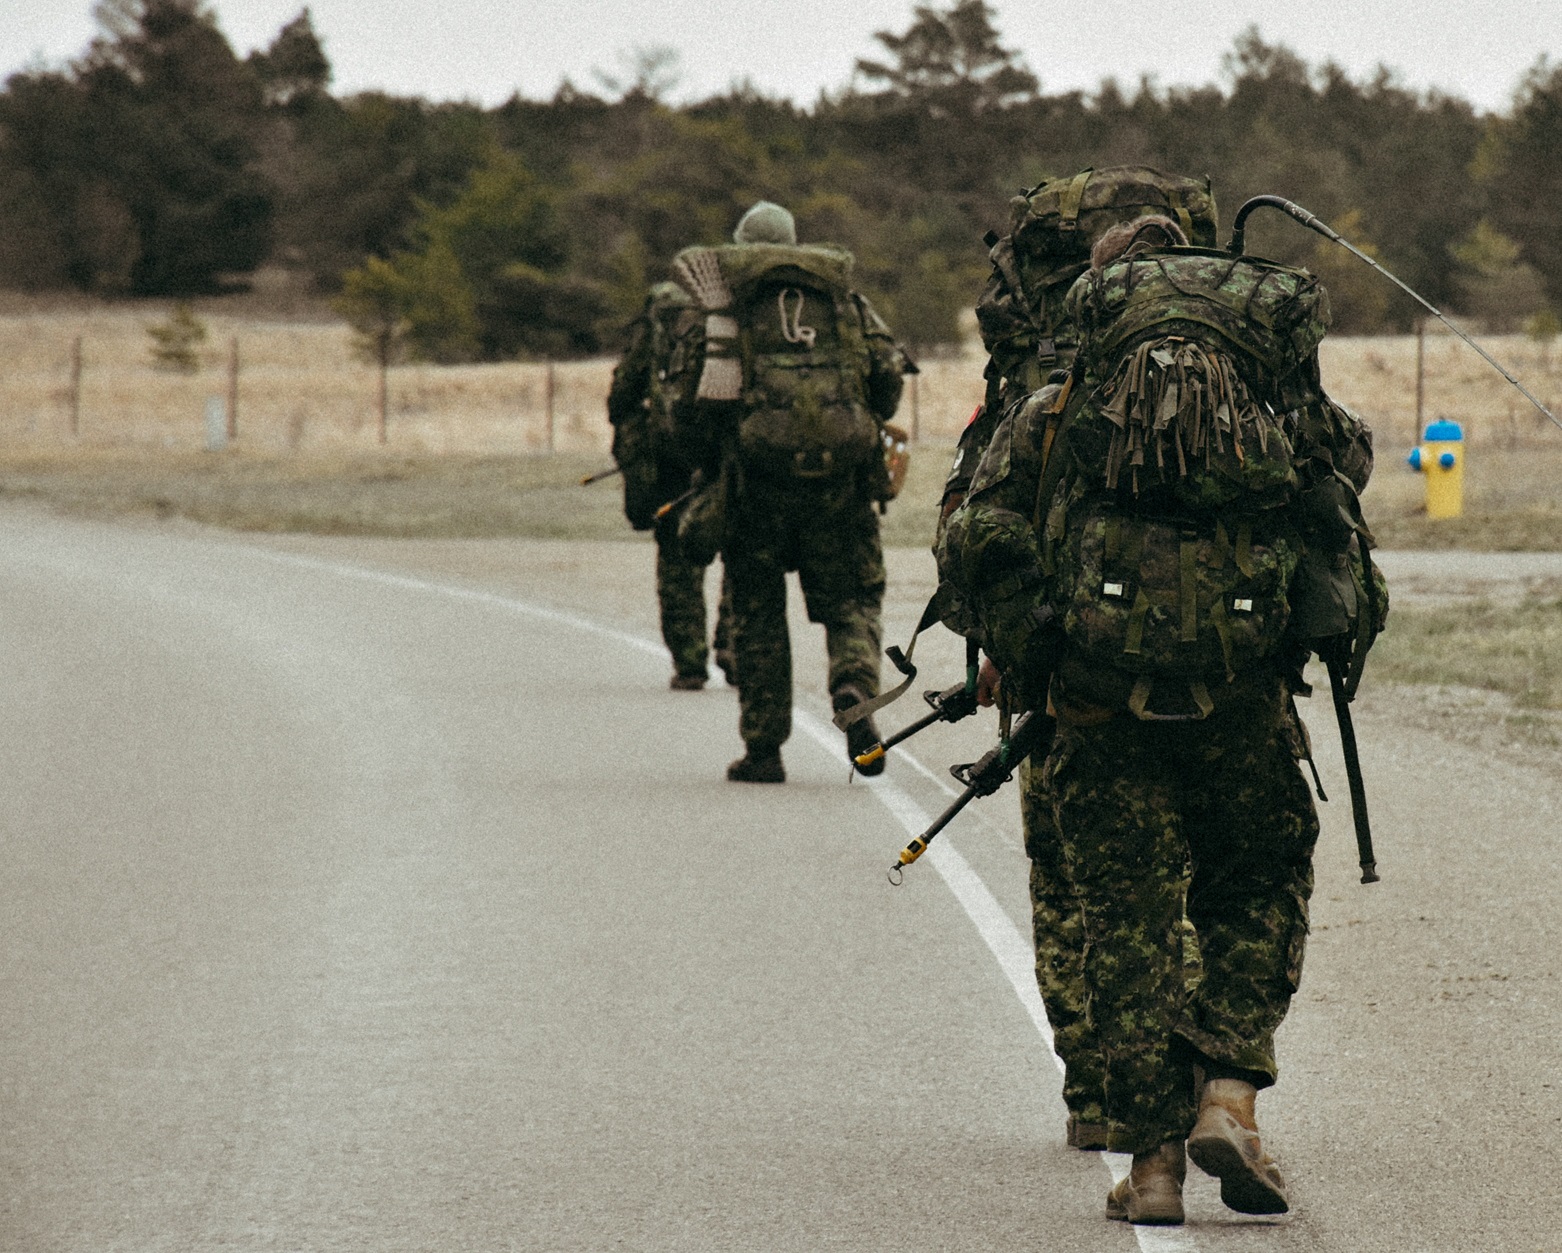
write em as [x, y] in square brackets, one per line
[379, 895]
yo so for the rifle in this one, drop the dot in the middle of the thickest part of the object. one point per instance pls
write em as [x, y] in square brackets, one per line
[950, 705]
[983, 777]
[677, 502]
[589, 479]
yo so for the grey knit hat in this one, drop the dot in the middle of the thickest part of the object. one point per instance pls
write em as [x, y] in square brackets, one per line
[766, 223]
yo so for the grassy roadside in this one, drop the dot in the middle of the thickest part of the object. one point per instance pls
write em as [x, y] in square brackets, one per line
[399, 496]
[1510, 648]
[1513, 648]
[1513, 496]
[447, 496]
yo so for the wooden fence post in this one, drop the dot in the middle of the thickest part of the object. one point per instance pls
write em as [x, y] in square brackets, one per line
[383, 399]
[233, 387]
[1415, 435]
[548, 393]
[76, 387]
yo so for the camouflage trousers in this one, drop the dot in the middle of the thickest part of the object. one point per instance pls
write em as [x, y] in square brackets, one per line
[1058, 927]
[1156, 818]
[680, 595]
[1058, 933]
[834, 547]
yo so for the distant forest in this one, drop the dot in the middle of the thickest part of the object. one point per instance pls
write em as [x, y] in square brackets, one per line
[159, 164]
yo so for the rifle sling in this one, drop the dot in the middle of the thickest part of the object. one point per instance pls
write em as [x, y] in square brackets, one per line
[866, 708]
[1358, 790]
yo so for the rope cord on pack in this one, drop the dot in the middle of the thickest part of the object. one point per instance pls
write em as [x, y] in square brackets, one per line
[792, 328]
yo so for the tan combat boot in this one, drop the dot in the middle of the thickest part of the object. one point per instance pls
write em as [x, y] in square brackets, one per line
[1151, 1192]
[1225, 1144]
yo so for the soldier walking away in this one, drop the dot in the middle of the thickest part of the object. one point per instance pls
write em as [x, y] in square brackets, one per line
[639, 405]
[1153, 549]
[798, 376]
[1030, 338]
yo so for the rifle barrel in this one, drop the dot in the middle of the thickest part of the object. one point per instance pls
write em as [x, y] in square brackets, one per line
[919, 845]
[906, 732]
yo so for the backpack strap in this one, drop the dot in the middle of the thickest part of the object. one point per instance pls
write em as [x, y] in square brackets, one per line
[1070, 199]
[901, 658]
[1364, 623]
[1188, 557]
[1179, 208]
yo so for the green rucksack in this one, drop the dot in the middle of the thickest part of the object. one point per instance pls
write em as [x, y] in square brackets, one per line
[1171, 534]
[783, 341]
[646, 389]
[1026, 329]
[1052, 227]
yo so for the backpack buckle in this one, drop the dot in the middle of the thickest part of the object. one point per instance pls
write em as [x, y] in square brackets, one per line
[813, 463]
[1139, 703]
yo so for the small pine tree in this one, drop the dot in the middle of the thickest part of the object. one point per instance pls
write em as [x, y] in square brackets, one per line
[175, 341]
[1494, 285]
[1542, 328]
[374, 300]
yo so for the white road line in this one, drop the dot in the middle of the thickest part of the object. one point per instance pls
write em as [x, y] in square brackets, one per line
[1013, 951]
[1015, 956]
[492, 599]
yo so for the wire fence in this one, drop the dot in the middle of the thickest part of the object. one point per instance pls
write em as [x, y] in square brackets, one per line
[90, 378]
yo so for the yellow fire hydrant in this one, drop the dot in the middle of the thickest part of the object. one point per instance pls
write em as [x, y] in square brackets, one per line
[1441, 458]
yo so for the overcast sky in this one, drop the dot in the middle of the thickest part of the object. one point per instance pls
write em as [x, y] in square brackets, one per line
[486, 50]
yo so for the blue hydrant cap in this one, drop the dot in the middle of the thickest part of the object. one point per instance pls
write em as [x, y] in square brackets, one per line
[1414, 458]
[1446, 460]
[1444, 430]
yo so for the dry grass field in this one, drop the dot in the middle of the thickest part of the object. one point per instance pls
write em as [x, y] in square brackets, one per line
[499, 449]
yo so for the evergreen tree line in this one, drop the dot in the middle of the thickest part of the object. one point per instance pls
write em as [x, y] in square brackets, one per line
[161, 164]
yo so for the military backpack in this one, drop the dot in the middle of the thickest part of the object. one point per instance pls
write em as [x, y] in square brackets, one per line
[647, 387]
[1026, 329]
[783, 348]
[1052, 228]
[1171, 523]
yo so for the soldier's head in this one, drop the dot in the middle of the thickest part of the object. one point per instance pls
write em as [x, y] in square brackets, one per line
[766, 223]
[1151, 231]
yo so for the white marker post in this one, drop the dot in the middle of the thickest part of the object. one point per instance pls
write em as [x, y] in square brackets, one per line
[216, 424]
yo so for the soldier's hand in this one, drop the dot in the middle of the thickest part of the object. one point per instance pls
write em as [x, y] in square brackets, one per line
[987, 682]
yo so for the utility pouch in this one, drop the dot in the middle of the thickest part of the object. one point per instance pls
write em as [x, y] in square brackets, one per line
[1168, 606]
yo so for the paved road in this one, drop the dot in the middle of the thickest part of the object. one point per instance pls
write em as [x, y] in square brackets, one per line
[380, 896]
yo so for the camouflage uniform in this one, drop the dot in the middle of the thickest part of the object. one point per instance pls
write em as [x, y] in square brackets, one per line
[830, 536]
[1212, 816]
[828, 531]
[680, 594]
[1031, 338]
[798, 375]
[1208, 816]
[1058, 930]
[1057, 920]
[654, 474]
